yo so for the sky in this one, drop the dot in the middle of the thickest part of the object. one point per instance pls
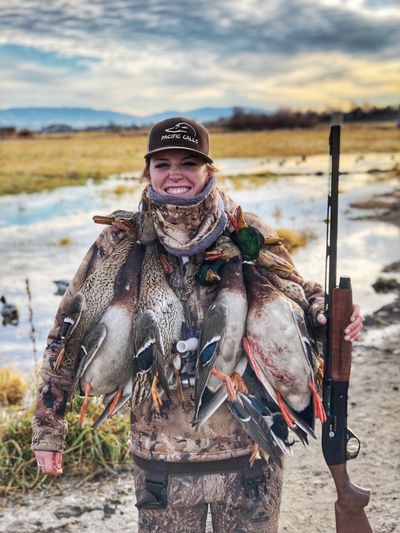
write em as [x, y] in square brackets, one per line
[148, 56]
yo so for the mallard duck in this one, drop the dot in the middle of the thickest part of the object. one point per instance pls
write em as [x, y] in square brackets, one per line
[248, 238]
[279, 352]
[289, 288]
[106, 354]
[157, 296]
[149, 362]
[214, 259]
[71, 321]
[9, 312]
[220, 341]
[98, 292]
[279, 266]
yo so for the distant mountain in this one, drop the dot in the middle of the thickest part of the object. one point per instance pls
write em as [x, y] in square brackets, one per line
[38, 118]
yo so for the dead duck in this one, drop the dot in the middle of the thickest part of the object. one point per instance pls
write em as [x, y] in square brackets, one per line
[149, 362]
[97, 293]
[215, 258]
[157, 296]
[279, 352]
[9, 313]
[220, 341]
[106, 354]
[289, 288]
[248, 238]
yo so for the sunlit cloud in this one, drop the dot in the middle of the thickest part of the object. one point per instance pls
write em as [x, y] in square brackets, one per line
[146, 56]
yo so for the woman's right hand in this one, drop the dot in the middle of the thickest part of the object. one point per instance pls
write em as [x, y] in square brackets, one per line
[49, 462]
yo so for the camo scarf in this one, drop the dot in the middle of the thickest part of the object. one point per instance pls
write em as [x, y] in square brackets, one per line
[187, 226]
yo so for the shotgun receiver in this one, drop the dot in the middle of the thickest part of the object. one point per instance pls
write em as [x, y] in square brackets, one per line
[339, 443]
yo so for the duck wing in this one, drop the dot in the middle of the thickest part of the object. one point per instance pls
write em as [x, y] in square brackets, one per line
[212, 335]
[250, 416]
[149, 358]
[91, 344]
[72, 316]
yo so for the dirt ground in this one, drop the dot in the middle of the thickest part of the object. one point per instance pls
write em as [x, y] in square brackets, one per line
[308, 495]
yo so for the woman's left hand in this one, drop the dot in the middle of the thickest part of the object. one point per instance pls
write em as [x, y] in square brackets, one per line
[353, 329]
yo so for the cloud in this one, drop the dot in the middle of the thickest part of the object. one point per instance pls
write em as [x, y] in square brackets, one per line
[150, 54]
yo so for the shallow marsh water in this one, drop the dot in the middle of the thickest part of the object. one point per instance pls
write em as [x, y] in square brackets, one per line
[33, 226]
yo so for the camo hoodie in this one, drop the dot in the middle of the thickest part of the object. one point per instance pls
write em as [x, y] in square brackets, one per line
[168, 437]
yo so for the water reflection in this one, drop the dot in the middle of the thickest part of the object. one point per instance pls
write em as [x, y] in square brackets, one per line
[32, 227]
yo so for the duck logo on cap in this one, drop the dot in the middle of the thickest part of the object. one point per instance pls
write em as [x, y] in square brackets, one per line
[182, 127]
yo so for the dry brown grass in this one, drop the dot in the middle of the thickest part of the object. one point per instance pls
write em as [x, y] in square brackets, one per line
[13, 387]
[294, 239]
[52, 160]
[65, 241]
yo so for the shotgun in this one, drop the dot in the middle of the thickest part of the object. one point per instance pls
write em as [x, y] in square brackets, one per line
[339, 443]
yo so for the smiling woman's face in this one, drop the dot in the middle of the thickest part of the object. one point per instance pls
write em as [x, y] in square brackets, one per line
[178, 173]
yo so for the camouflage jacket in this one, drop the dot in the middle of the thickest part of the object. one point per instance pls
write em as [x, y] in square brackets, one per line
[170, 436]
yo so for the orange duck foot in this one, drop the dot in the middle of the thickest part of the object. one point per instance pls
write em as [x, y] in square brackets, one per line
[179, 385]
[238, 383]
[84, 405]
[115, 402]
[167, 269]
[255, 454]
[230, 389]
[60, 359]
[318, 407]
[285, 412]
[155, 393]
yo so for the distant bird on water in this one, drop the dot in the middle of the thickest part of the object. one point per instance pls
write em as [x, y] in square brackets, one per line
[62, 286]
[9, 313]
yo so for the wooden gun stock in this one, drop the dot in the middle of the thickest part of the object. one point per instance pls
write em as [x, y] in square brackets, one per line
[349, 507]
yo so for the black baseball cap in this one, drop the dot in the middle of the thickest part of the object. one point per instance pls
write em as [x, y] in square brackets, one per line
[179, 132]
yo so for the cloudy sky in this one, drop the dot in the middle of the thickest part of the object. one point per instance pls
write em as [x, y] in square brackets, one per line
[146, 56]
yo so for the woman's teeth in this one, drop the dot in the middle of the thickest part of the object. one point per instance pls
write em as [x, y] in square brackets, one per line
[177, 190]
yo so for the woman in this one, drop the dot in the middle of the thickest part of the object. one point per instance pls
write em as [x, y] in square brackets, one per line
[180, 469]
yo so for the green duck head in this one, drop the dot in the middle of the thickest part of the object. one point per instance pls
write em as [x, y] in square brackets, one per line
[248, 238]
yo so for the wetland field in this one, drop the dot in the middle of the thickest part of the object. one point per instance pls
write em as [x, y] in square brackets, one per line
[52, 185]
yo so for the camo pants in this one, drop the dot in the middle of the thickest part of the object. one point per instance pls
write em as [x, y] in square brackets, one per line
[233, 508]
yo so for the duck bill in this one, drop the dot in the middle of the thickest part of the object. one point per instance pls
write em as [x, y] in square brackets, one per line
[240, 219]
[234, 222]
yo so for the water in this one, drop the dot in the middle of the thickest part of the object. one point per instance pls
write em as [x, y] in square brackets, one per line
[32, 227]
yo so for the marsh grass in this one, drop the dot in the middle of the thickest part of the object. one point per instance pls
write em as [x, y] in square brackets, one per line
[51, 161]
[13, 386]
[65, 241]
[86, 453]
[294, 239]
